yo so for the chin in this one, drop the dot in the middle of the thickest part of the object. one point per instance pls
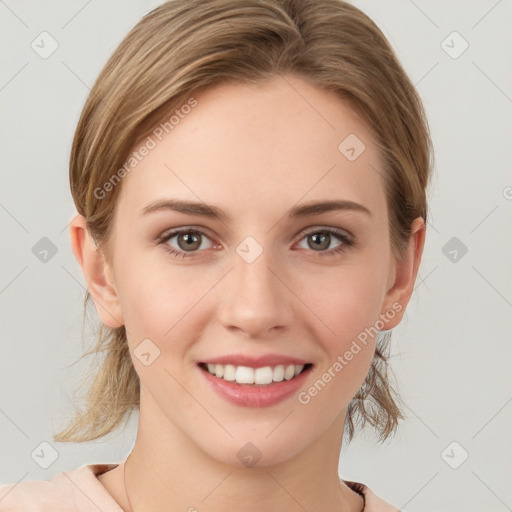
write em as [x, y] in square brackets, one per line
[255, 452]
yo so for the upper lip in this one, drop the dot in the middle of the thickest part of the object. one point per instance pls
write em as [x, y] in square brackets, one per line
[255, 362]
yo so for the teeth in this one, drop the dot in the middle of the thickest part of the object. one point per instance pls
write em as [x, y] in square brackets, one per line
[229, 372]
[218, 370]
[278, 373]
[244, 375]
[259, 376]
[263, 375]
[289, 372]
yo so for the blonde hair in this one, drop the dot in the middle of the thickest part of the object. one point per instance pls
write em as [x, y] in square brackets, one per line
[184, 46]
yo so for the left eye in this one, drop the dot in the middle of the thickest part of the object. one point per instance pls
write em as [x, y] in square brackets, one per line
[190, 242]
[321, 240]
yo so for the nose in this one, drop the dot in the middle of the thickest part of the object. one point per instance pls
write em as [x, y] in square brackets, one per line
[255, 299]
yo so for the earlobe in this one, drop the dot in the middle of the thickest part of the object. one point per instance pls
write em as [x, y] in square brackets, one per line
[406, 271]
[96, 271]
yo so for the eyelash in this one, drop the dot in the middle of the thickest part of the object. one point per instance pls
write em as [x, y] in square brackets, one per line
[347, 242]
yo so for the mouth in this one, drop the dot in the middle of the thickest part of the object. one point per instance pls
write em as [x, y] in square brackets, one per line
[264, 376]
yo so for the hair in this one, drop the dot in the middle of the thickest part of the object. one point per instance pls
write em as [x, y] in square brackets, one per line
[185, 46]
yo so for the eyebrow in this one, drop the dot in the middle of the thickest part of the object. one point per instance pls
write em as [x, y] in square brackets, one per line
[210, 211]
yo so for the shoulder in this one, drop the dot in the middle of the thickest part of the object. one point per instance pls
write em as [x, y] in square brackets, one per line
[372, 503]
[78, 489]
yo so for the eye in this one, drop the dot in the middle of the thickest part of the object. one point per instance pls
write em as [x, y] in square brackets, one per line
[321, 239]
[187, 242]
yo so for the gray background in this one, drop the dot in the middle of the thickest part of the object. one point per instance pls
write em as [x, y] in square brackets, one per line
[452, 353]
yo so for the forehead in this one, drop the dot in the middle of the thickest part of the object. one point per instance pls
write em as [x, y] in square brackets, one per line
[245, 146]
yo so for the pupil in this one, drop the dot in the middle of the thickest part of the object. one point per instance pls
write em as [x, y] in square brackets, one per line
[190, 240]
[320, 239]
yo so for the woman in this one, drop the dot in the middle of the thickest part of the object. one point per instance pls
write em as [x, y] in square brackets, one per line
[250, 184]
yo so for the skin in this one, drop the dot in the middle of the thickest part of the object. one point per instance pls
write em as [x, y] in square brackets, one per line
[255, 152]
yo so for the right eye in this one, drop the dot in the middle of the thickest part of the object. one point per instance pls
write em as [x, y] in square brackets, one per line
[188, 242]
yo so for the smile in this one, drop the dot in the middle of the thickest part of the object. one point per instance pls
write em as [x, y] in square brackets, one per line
[263, 376]
[245, 386]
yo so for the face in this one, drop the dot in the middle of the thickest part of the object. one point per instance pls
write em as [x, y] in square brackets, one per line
[253, 272]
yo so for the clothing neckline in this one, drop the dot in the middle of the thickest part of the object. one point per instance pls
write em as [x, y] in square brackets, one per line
[100, 469]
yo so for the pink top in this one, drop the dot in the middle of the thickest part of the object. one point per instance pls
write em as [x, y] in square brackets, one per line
[79, 490]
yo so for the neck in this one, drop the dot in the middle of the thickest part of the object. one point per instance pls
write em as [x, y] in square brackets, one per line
[167, 472]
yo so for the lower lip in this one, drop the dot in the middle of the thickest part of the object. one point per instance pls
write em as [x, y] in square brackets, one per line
[255, 396]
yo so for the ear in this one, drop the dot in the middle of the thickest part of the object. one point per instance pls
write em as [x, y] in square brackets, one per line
[97, 273]
[404, 276]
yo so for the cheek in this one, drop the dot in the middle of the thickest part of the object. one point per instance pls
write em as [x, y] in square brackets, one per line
[349, 344]
[348, 300]
[351, 314]
[162, 303]
[349, 304]
[146, 288]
